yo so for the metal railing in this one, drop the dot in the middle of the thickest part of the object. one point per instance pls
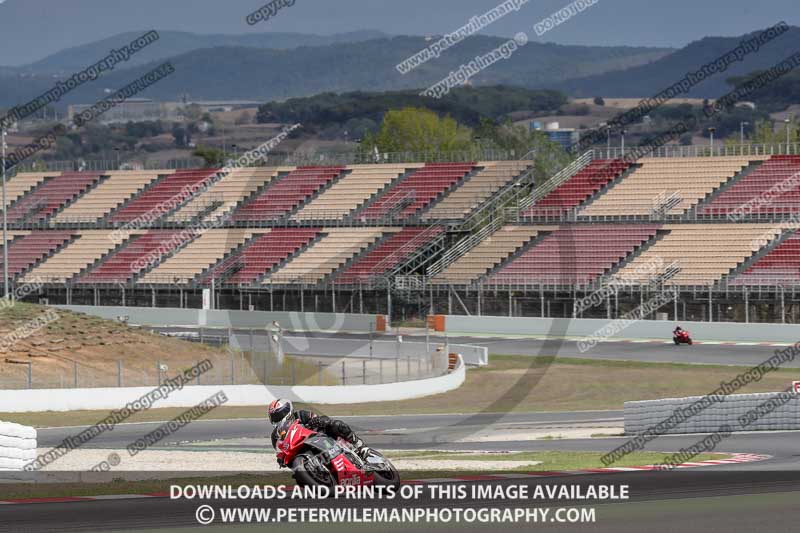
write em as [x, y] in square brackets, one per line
[696, 150]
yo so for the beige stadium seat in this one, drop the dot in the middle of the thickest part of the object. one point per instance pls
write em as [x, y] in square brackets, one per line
[325, 256]
[90, 246]
[704, 253]
[120, 186]
[23, 182]
[690, 179]
[235, 186]
[197, 256]
[489, 253]
[493, 176]
[353, 190]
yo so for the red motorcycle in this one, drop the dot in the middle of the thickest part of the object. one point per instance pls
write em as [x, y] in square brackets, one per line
[317, 459]
[681, 337]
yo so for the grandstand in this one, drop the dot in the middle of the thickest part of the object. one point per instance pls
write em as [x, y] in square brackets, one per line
[415, 230]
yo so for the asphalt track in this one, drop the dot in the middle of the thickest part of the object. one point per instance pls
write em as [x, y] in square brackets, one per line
[741, 497]
[644, 350]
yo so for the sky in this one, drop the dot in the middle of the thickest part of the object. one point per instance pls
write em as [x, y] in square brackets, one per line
[33, 29]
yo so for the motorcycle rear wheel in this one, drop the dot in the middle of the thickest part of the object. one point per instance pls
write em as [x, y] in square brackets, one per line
[308, 472]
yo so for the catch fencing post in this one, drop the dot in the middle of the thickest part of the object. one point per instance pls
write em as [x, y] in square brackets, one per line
[30, 375]
[158, 369]
[364, 371]
[319, 373]
[75, 374]
[293, 365]
[344, 376]
[119, 373]
[371, 327]
[233, 369]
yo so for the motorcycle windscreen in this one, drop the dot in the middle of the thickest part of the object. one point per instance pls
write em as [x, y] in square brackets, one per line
[321, 443]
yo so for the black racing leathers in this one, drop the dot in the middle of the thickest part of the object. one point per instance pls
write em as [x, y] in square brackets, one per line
[331, 427]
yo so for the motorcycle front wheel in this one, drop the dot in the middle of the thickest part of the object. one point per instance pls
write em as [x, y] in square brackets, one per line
[388, 474]
[308, 471]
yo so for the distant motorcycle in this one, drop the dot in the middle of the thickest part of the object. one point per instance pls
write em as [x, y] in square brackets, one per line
[682, 337]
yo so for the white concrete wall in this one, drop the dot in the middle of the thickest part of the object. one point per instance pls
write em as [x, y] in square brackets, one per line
[641, 415]
[17, 401]
[17, 446]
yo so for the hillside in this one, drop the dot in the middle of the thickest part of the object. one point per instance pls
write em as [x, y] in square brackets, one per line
[172, 43]
[646, 80]
[229, 72]
[98, 346]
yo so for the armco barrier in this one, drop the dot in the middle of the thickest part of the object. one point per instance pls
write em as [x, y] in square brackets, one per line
[18, 401]
[641, 415]
[172, 316]
[643, 329]
[17, 446]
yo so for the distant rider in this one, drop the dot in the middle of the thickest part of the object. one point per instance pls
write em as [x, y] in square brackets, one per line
[677, 331]
[280, 410]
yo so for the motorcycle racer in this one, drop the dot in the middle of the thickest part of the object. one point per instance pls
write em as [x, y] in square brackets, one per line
[280, 410]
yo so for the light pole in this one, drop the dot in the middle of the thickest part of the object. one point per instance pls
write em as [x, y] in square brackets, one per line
[622, 133]
[741, 131]
[787, 121]
[711, 131]
[5, 219]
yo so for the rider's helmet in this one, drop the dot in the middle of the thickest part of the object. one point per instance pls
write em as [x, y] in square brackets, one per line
[678, 328]
[279, 410]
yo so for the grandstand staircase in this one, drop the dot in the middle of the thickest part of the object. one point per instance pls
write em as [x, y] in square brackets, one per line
[607, 187]
[404, 199]
[487, 218]
[556, 180]
[33, 189]
[207, 209]
[105, 221]
[326, 281]
[103, 258]
[255, 194]
[761, 252]
[137, 275]
[283, 262]
[421, 254]
[352, 215]
[518, 252]
[103, 178]
[213, 178]
[691, 214]
[639, 250]
[444, 194]
[236, 250]
[31, 212]
[43, 258]
[313, 196]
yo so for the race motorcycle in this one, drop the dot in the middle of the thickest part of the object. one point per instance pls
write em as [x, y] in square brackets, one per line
[317, 459]
[682, 337]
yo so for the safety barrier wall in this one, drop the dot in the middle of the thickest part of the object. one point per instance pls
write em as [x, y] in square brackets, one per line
[776, 411]
[364, 348]
[643, 329]
[18, 401]
[17, 446]
[169, 316]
